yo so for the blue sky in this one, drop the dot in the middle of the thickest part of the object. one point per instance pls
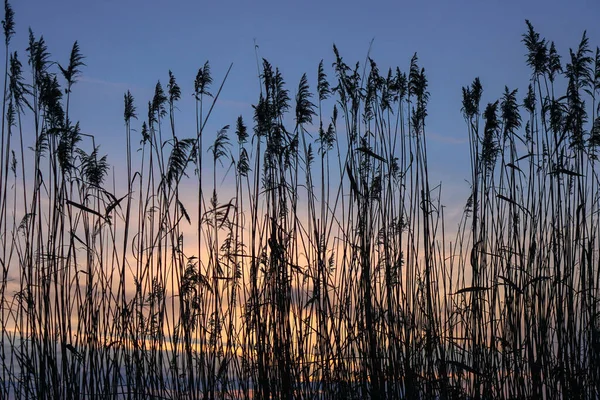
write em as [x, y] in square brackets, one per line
[129, 45]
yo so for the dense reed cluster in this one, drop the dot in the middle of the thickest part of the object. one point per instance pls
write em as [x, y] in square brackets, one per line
[302, 255]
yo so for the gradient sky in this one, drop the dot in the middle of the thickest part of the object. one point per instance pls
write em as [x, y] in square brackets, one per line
[129, 45]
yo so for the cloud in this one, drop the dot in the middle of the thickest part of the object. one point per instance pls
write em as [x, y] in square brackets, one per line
[102, 82]
[436, 137]
[120, 87]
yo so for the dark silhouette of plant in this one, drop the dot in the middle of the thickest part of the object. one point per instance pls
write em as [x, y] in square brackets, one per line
[323, 270]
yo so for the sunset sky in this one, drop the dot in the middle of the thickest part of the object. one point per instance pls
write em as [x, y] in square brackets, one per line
[129, 45]
[294, 268]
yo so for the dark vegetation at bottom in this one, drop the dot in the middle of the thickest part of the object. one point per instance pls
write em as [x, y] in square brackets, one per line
[321, 268]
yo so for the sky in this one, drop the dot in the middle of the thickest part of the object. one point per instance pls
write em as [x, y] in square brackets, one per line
[130, 44]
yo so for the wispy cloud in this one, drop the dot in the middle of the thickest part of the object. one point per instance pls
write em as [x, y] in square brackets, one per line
[444, 138]
[114, 85]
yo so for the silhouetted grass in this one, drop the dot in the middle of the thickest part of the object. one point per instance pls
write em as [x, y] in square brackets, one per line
[313, 263]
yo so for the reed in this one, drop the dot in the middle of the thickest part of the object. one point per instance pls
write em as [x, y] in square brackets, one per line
[307, 256]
